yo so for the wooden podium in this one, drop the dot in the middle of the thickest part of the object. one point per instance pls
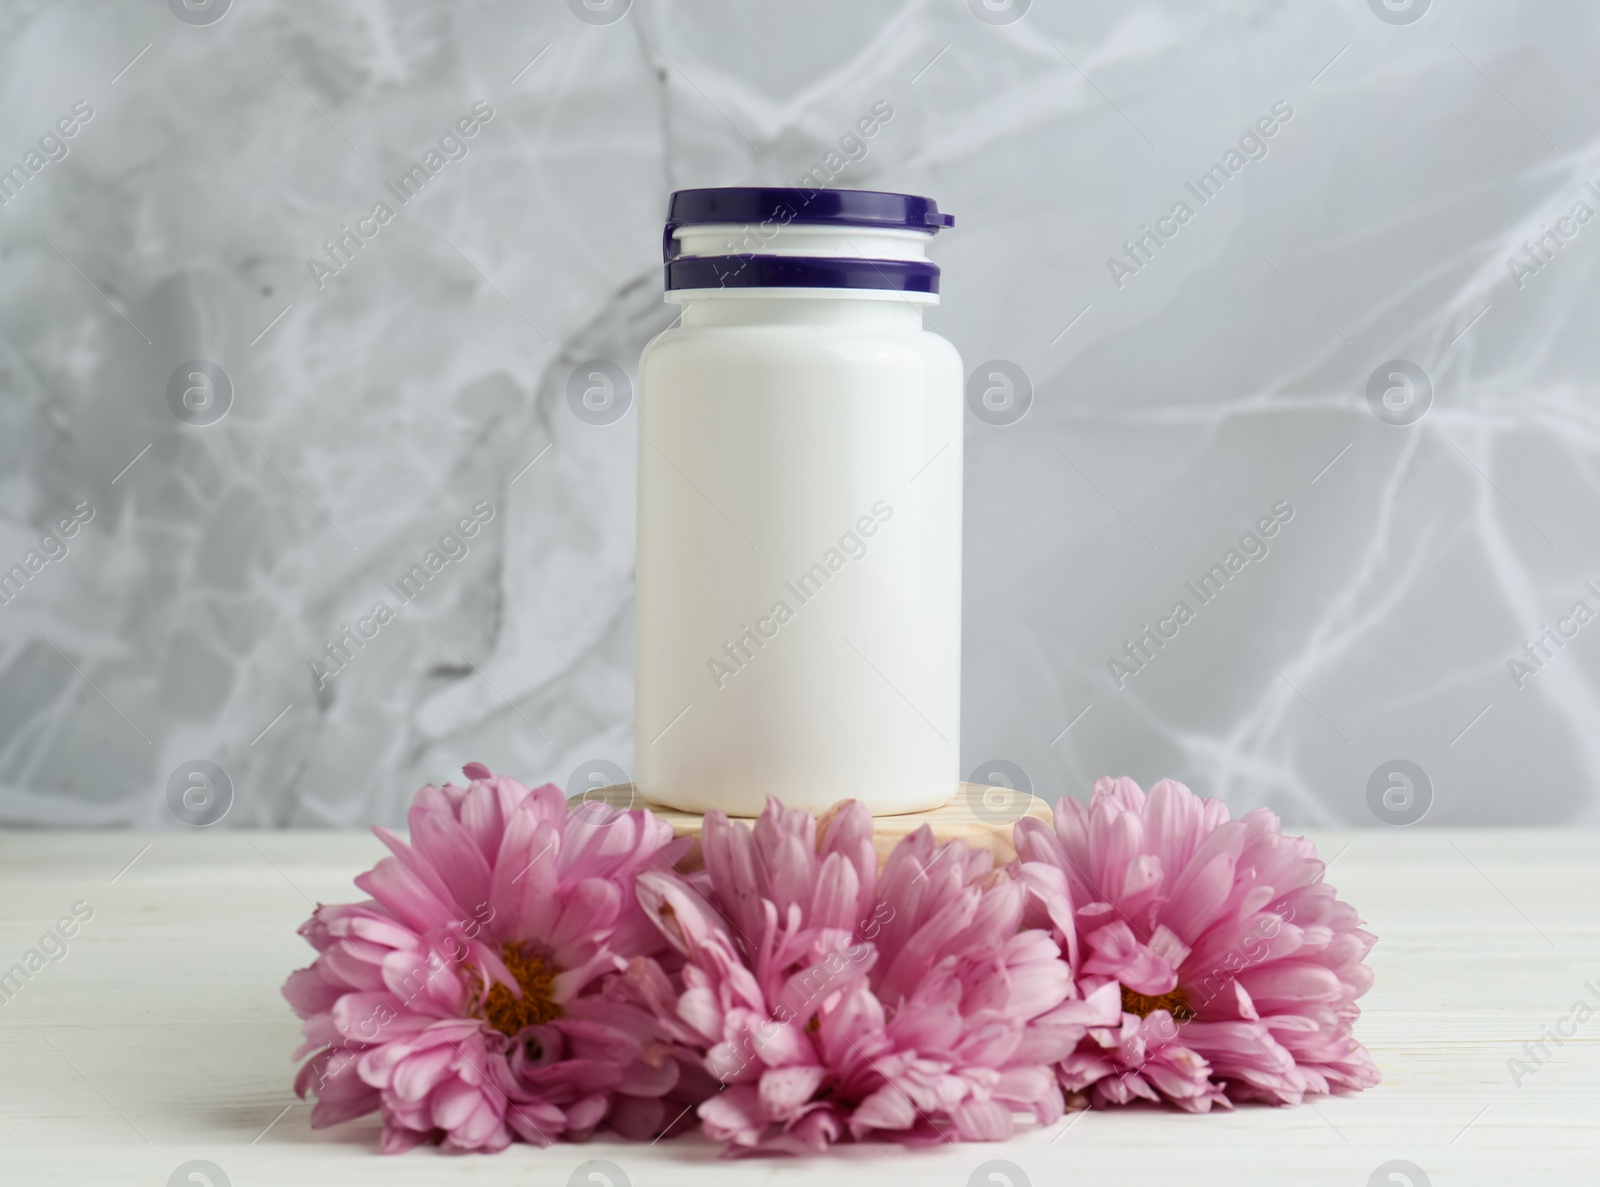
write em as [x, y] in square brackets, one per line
[980, 815]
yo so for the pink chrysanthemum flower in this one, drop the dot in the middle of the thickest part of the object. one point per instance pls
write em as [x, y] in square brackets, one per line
[833, 1001]
[472, 1000]
[1211, 960]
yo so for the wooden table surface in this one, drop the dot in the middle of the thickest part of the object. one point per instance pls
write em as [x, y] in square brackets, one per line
[159, 1036]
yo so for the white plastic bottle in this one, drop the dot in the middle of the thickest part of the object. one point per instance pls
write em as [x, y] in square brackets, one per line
[800, 458]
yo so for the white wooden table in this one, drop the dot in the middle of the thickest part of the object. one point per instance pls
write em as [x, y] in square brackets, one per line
[160, 1036]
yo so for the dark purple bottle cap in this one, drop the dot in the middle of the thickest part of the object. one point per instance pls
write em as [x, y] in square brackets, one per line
[781, 205]
[764, 208]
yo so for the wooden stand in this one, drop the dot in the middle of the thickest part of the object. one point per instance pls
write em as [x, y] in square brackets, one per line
[980, 815]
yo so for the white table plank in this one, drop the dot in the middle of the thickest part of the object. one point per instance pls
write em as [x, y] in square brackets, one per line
[161, 1037]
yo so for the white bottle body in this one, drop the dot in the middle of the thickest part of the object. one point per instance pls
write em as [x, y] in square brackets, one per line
[799, 556]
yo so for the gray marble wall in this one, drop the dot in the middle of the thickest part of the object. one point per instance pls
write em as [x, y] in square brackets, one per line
[1341, 319]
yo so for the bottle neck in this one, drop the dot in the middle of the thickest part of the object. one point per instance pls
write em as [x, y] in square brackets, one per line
[890, 311]
[756, 305]
[802, 239]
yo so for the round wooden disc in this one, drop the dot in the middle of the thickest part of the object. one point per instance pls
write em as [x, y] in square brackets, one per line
[980, 815]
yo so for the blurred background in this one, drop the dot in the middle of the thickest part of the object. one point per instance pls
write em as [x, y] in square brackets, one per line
[1217, 264]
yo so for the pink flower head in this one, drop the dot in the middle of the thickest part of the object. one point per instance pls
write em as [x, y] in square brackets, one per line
[473, 999]
[1211, 960]
[833, 1001]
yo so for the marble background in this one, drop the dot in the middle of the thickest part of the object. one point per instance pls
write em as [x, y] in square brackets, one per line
[1171, 407]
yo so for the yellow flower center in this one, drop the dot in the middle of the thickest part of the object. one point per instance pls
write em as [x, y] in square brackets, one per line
[1144, 1005]
[504, 1011]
